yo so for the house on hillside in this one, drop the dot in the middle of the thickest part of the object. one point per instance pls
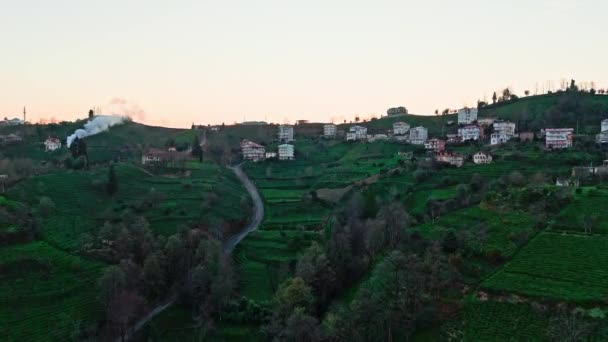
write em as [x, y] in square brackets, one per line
[585, 171]
[271, 155]
[400, 128]
[164, 158]
[452, 138]
[558, 137]
[377, 137]
[450, 158]
[482, 158]
[436, 145]
[11, 122]
[356, 133]
[286, 152]
[396, 111]
[285, 133]
[503, 132]
[470, 132]
[9, 139]
[252, 151]
[330, 130]
[52, 144]
[467, 116]
[602, 137]
[418, 135]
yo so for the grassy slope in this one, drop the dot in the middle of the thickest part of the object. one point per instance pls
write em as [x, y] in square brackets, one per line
[437, 125]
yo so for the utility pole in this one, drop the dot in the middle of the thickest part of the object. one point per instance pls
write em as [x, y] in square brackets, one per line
[24, 114]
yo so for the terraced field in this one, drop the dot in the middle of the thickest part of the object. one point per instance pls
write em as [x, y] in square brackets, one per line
[293, 218]
[45, 292]
[563, 267]
[591, 203]
[498, 321]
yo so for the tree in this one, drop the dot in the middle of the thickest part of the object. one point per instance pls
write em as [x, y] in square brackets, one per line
[293, 293]
[568, 327]
[197, 150]
[123, 310]
[154, 276]
[112, 281]
[301, 327]
[112, 185]
[589, 222]
[494, 98]
[316, 270]
[527, 92]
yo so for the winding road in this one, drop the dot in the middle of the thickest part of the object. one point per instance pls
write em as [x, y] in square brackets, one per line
[258, 210]
[229, 245]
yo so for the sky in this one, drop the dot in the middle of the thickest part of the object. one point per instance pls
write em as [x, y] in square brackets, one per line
[174, 63]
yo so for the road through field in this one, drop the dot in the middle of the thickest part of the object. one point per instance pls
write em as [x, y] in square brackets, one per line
[258, 210]
[229, 245]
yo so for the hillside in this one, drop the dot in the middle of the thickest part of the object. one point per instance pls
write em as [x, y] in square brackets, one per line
[564, 109]
[436, 124]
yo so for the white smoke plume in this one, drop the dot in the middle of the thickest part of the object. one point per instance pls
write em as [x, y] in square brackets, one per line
[98, 124]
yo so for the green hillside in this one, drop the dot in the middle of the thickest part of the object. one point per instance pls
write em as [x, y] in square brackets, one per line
[436, 124]
[566, 109]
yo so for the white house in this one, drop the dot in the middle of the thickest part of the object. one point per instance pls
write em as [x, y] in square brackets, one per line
[604, 125]
[558, 137]
[467, 115]
[469, 132]
[503, 132]
[400, 128]
[375, 137]
[286, 152]
[418, 135]
[356, 133]
[286, 133]
[330, 130]
[271, 155]
[482, 158]
[252, 151]
[51, 144]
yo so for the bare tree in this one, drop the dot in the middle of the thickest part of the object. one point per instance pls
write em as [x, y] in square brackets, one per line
[566, 326]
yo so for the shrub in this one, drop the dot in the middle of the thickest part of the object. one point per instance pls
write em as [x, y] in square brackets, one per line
[46, 206]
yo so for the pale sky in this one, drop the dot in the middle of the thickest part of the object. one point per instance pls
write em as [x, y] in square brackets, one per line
[223, 61]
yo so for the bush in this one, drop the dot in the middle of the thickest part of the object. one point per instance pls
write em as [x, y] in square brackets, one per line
[419, 175]
[46, 206]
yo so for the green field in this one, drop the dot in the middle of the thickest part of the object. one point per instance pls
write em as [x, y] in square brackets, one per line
[557, 266]
[501, 321]
[44, 292]
[590, 203]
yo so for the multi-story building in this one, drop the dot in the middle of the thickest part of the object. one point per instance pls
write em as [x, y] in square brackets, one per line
[467, 116]
[504, 127]
[470, 132]
[330, 130]
[482, 158]
[286, 152]
[418, 135]
[453, 138]
[286, 133]
[356, 133]
[558, 137]
[400, 128]
[252, 151]
[498, 138]
[436, 145]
